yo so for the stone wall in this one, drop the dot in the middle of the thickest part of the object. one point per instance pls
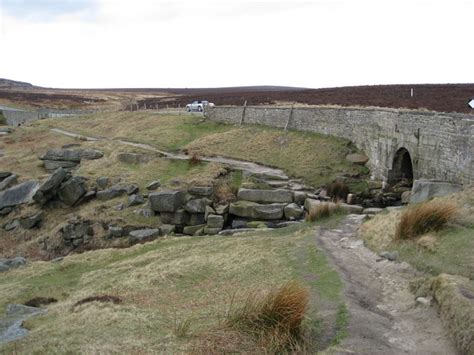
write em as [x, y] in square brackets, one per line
[14, 117]
[441, 145]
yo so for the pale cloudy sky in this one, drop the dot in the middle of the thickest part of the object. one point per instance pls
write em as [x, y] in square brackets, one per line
[324, 43]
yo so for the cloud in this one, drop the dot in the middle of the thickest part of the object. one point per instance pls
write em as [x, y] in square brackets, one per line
[145, 43]
[46, 10]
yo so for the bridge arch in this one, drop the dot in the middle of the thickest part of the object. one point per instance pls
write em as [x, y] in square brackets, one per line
[402, 167]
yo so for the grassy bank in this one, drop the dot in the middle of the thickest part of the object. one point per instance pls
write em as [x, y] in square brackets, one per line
[316, 158]
[444, 256]
[175, 294]
[448, 250]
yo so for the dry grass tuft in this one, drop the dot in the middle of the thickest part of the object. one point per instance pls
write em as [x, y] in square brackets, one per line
[337, 190]
[323, 210]
[427, 243]
[195, 159]
[181, 327]
[424, 218]
[275, 320]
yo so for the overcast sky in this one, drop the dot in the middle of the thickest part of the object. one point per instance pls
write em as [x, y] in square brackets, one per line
[325, 43]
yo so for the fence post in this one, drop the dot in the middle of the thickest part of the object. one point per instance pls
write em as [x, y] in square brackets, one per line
[289, 117]
[243, 113]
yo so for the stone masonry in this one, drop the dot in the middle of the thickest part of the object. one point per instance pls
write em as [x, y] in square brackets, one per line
[441, 145]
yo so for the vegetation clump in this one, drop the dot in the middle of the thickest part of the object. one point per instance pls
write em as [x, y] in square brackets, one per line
[275, 319]
[322, 210]
[337, 190]
[424, 218]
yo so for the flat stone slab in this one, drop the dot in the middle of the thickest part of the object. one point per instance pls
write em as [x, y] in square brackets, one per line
[18, 194]
[265, 196]
[228, 232]
[255, 210]
[423, 190]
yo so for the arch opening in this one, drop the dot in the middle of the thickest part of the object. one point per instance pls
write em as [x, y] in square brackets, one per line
[402, 168]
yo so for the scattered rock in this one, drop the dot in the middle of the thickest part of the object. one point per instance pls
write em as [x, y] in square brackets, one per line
[8, 182]
[180, 217]
[299, 197]
[132, 189]
[372, 210]
[293, 211]
[18, 194]
[239, 224]
[75, 155]
[359, 159]
[265, 196]
[285, 224]
[76, 233]
[194, 230]
[113, 192]
[4, 174]
[211, 231]
[425, 301]
[52, 165]
[221, 209]
[197, 205]
[255, 210]
[209, 210]
[196, 219]
[49, 188]
[166, 201]
[115, 232]
[215, 221]
[205, 191]
[310, 204]
[153, 185]
[13, 224]
[167, 229]
[406, 196]
[30, 221]
[143, 235]
[102, 182]
[5, 211]
[228, 232]
[135, 200]
[72, 190]
[351, 199]
[390, 255]
[351, 208]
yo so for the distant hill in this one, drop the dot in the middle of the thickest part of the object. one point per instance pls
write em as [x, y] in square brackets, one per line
[12, 84]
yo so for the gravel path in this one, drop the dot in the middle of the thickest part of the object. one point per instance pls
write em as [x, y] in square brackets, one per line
[384, 317]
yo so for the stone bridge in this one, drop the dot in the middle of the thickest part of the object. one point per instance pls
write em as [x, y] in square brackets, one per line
[399, 143]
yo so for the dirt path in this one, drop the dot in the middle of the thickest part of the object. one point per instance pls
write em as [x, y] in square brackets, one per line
[384, 318]
[250, 167]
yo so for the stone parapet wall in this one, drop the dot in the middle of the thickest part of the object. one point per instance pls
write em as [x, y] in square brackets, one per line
[441, 145]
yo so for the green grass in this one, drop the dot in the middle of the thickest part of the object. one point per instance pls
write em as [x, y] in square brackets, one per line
[316, 158]
[3, 121]
[452, 250]
[453, 254]
[166, 285]
[166, 132]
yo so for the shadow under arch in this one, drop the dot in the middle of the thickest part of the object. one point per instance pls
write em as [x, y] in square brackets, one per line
[402, 167]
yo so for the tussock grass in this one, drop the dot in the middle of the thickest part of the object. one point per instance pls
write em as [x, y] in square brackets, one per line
[181, 327]
[337, 190]
[424, 218]
[323, 210]
[274, 319]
